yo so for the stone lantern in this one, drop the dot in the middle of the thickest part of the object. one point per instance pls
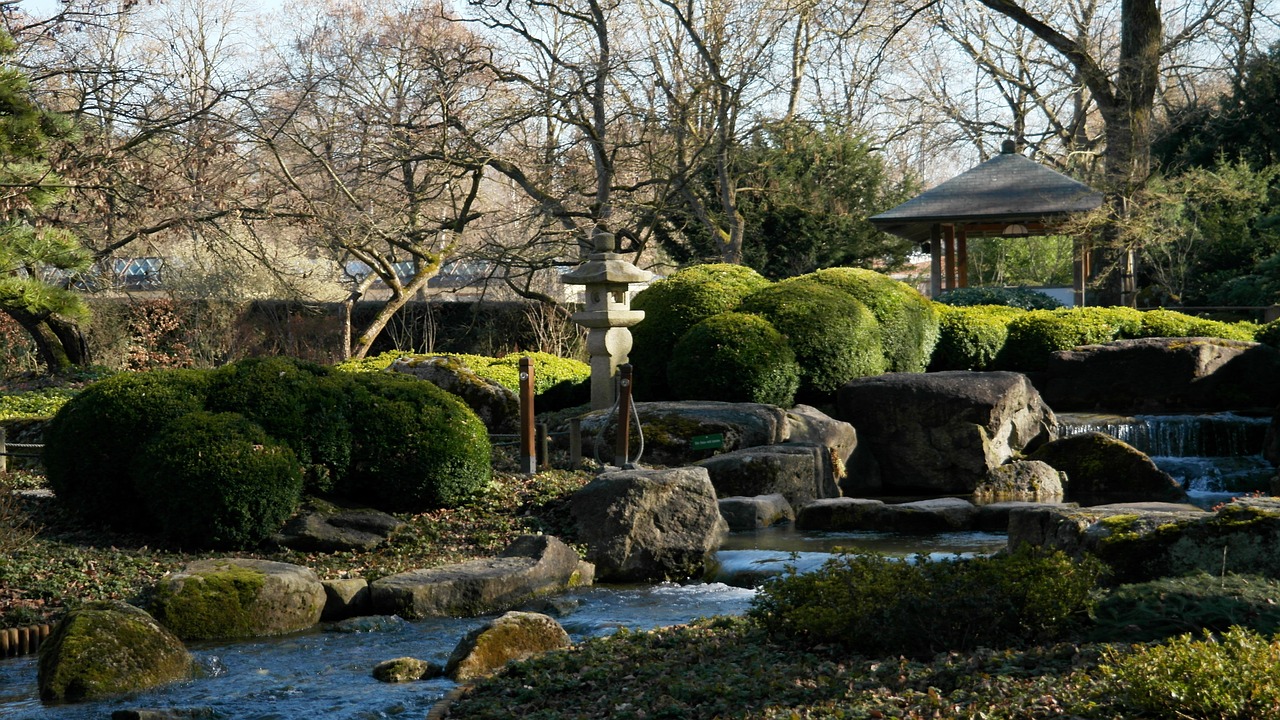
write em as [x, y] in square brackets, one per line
[607, 314]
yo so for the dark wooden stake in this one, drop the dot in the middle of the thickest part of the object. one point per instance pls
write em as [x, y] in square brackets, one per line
[528, 448]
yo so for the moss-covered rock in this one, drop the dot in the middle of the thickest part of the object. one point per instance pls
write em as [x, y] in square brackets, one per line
[513, 636]
[734, 357]
[405, 669]
[229, 598]
[108, 648]
[908, 320]
[836, 338]
[673, 305]
[1100, 467]
[1167, 607]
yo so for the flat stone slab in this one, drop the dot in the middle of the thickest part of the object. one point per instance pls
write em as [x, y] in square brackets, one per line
[838, 514]
[532, 566]
[929, 516]
[752, 513]
[994, 517]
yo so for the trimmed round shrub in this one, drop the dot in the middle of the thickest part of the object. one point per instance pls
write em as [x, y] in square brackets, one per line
[93, 441]
[835, 337]
[300, 403]
[1035, 334]
[218, 480]
[734, 357]
[971, 337]
[673, 305]
[415, 447]
[1017, 297]
[908, 320]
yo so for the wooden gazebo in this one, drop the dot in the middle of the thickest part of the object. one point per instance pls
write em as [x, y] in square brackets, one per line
[1008, 195]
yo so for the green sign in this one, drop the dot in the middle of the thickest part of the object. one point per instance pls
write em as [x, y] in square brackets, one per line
[706, 442]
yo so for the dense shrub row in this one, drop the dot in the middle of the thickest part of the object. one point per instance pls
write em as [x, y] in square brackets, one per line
[222, 457]
[840, 323]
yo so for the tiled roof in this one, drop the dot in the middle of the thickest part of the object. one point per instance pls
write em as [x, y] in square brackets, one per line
[1006, 188]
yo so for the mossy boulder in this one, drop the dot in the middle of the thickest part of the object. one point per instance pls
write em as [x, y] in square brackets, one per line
[404, 669]
[1145, 541]
[497, 406]
[512, 636]
[103, 649]
[673, 305]
[1099, 467]
[908, 320]
[227, 598]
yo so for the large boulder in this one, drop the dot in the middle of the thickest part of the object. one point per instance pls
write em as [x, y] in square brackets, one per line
[532, 566]
[1144, 541]
[1163, 375]
[322, 527]
[806, 424]
[1101, 468]
[513, 636]
[108, 648]
[753, 513]
[643, 525]
[497, 406]
[838, 514]
[1026, 480]
[227, 598]
[801, 473]
[939, 433]
[670, 429]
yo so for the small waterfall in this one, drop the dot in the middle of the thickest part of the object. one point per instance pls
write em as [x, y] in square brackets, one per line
[1217, 455]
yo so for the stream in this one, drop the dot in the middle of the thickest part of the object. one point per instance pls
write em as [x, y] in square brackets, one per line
[327, 674]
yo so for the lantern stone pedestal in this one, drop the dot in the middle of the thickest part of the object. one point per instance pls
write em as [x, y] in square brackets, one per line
[607, 314]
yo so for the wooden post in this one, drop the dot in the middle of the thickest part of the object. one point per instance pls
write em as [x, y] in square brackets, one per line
[544, 448]
[528, 451]
[949, 239]
[623, 449]
[575, 443]
[935, 261]
[4, 450]
[962, 257]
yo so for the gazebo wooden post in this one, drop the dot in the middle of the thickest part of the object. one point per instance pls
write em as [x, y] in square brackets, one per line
[962, 255]
[949, 239]
[1079, 270]
[935, 260]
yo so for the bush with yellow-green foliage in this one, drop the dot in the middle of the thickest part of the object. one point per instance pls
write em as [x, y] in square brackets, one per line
[1035, 334]
[675, 304]
[970, 337]
[549, 370]
[1170, 323]
[908, 320]
[734, 357]
[835, 337]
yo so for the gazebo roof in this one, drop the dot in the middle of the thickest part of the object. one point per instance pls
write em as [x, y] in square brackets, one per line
[1007, 188]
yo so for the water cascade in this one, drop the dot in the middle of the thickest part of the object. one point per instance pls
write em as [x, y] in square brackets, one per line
[1215, 456]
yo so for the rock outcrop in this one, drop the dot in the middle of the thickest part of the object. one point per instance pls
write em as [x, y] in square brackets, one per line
[801, 473]
[1101, 468]
[227, 598]
[1163, 375]
[642, 525]
[346, 598]
[497, 407]
[1144, 541]
[807, 424]
[103, 649]
[1027, 480]
[671, 427]
[753, 513]
[532, 566]
[321, 527]
[939, 433]
[513, 636]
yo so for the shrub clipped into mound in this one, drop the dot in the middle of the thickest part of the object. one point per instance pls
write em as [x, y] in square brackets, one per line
[877, 605]
[302, 404]
[415, 447]
[1170, 323]
[734, 357]
[218, 480]
[567, 376]
[1167, 607]
[835, 337]
[1016, 297]
[1035, 334]
[93, 440]
[971, 337]
[908, 320]
[675, 304]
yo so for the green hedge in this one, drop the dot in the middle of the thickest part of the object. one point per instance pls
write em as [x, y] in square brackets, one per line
[734, 357]
[93, 441]
[1035, 334]
[548, 370]
[835, 337]
[1016, 297]
[971, 337]
[675, 304]
[878, 606]
[908, 320]
[218, 480]
[415, 446]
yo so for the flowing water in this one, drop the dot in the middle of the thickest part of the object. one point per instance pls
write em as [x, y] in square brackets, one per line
[1215, 456]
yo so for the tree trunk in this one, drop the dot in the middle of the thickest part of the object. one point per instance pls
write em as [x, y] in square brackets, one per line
[60, 343]
[364, 342]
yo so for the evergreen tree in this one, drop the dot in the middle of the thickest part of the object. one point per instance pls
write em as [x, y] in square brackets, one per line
[36, 263]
